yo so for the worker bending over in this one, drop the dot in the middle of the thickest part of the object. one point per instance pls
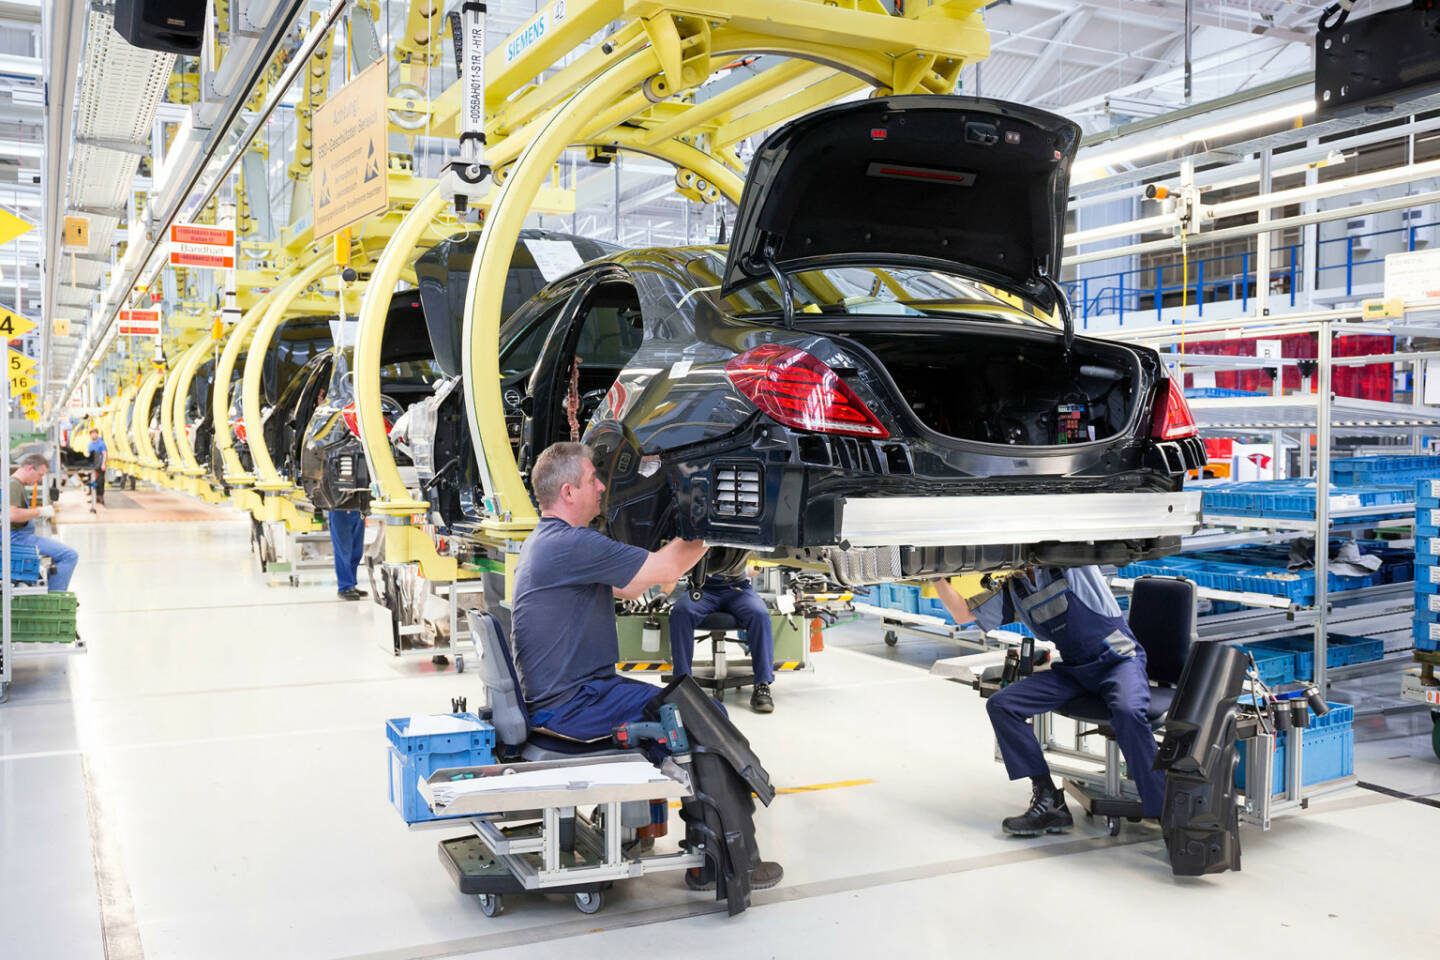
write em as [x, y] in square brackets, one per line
[563, 610]
[1075, 610]
[23, 481]
[732, 594]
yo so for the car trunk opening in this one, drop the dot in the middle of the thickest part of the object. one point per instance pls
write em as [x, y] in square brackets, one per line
[1006, 387]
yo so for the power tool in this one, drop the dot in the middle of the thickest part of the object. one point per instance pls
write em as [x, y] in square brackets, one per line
[669, 730]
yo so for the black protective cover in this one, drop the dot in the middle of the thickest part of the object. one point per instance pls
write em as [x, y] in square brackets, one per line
[172, 26]
[1376, 60]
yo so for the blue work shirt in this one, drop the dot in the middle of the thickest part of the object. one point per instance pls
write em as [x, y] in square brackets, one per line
[563, 609]
[97, 446]
[1037, 602]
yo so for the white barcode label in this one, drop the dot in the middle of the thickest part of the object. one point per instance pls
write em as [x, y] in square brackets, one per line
[1435, 631]
[1432, 488]
[1432, 602]
[1347, 501]
[1434, 574]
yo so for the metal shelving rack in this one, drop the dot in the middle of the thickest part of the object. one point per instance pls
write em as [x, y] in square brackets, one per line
[1326, 417]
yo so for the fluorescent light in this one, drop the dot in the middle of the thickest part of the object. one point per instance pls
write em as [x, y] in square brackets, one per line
[1094, 166]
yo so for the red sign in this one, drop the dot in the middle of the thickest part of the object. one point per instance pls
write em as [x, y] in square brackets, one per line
[139, 323]
[197, 245]
[198, 233]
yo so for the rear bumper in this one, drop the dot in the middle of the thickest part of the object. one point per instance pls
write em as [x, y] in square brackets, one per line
[1028, 519]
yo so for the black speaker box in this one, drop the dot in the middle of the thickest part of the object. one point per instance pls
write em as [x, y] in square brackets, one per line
[171, 26]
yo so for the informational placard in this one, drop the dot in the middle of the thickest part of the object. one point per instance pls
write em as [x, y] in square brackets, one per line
[554, 258]
[349, 180]
[77, 232]
[1414, 275]
[201, 245]
[19, 362]
[139, 323]
[13, 325]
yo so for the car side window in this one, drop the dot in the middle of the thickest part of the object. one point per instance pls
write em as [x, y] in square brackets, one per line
[522, 353]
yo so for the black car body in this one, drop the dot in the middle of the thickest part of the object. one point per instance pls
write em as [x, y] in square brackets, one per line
[325, 444]
[199, 425]
[879, 374]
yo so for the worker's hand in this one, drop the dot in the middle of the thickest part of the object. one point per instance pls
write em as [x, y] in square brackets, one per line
[47, 511]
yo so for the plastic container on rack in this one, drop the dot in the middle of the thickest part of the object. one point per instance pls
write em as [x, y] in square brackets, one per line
[24, 563]
[416, 756]
[1275, 666]
[1358, 649]
[1427, 639]
[1327, 752]
[1387, 469]
[1295, 499]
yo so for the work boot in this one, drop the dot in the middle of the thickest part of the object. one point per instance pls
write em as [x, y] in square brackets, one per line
[351, 594]
[760, 699]
[1047, 814]
[767, 873]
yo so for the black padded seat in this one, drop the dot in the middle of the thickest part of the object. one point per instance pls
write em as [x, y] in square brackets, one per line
[1091, 709]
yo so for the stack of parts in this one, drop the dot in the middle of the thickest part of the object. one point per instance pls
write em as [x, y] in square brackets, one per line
[43, 618]
[1427, 567]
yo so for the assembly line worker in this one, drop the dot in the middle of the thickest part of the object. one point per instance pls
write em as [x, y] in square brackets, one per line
[100, 457]
[1075, 610]
[26, 477]
[733, 595]
[563, 609]
[347, 537]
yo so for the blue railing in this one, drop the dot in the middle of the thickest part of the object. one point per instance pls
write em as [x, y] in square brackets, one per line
[1215, 279]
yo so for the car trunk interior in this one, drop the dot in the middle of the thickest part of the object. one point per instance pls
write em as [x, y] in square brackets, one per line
[1008, 387]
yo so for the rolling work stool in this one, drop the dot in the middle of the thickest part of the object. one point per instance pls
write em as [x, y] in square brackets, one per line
[1163, 619]
[717, 627]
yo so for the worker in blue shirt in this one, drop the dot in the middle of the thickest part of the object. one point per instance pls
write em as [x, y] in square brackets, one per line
[1075, 610]
[99, 457]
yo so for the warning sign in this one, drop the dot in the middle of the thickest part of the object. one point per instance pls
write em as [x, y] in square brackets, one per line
[351, 154]
[139, 323]
[12, 324]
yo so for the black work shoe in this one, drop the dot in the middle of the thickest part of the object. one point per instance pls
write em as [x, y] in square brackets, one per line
[700, 878]
[351, 594]
[760, 699]
[767, 873]
[1047, 814]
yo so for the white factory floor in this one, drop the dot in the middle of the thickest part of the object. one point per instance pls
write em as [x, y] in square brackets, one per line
[209, 781]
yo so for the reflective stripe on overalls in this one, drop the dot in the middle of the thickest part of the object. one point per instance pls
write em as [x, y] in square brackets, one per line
[1080, 634]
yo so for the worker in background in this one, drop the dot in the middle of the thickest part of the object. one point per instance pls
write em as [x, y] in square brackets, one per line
[1075, 610]
[732, 594]
[99, 458]
[24, 490]
[347, 537]
[563, 611]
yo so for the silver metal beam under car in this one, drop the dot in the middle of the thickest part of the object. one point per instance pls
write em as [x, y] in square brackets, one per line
[1038, 518]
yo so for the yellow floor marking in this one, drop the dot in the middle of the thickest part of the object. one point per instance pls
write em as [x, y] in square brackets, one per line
[809, 788]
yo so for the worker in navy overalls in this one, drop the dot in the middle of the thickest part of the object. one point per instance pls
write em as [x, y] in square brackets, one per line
[732, 594]
[1075, 610]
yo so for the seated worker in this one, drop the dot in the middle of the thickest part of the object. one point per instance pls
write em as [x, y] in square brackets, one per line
[28, 475]
[733, 595]
[1075, 610]
[563, 609]
[99, 455]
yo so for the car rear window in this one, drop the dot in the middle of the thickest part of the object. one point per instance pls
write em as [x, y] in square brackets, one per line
[876, 290]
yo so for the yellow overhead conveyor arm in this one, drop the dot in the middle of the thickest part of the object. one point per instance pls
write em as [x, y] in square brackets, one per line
[167, 406]
[231, 469]
[267, 478]
[184, 376]
[122, 415]
[140, 425]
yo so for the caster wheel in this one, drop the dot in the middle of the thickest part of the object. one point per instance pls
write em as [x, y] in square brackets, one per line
[1112, 826]
[459, 664]
[589, 902]
[890, 638]
[492, 904]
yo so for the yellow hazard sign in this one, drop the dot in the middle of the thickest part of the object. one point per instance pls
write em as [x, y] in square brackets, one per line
[19, 363]
[13, 325]
[12, 226]
[349, 181]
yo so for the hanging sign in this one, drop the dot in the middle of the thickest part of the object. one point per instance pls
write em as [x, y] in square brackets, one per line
[13, 325]
[349, 181]
[77, 232]
[19, 362]
[139, 323]
[201, 245]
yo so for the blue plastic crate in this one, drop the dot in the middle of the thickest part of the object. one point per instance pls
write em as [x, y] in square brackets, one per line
[1361, 471]
[1295, 499]
[415, 757]
[24, 563]
[1358, 649]
[1424, 642]
[1275, 666]
[1304, 644]
[934, 608]
[1213, 393]
[1328, 752]
[1019, 628]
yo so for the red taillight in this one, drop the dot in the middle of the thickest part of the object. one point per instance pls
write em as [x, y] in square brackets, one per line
[352, 420]
[238, 428]
[798, 390]
[1173, 419]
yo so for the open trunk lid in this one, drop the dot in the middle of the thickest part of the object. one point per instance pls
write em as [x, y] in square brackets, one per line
[959, 184]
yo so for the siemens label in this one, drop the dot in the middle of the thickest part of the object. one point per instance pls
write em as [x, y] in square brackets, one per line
[529, 35]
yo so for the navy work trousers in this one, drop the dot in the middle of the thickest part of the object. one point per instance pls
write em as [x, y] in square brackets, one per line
[742, 603]
[347, 536]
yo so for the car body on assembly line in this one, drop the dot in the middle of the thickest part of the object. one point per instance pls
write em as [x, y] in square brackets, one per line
[878, 375]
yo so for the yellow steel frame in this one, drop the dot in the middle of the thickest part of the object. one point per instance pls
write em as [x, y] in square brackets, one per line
[634, 92]
[167, 406]
[125, 455]
[146, 460]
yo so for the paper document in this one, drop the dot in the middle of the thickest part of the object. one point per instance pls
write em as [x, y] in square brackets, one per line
[429, 724]
[554, 258]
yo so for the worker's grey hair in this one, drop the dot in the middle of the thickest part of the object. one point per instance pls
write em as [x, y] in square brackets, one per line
[559, 464]
[34, 460]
